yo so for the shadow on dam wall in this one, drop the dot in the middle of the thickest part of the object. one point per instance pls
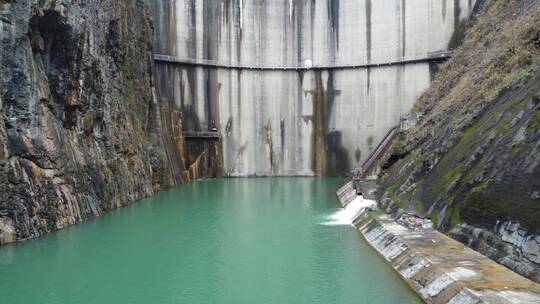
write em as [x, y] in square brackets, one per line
[192, 157]
[308, 122]
[330, 157]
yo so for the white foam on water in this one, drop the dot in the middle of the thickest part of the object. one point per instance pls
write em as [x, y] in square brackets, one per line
[345, 216]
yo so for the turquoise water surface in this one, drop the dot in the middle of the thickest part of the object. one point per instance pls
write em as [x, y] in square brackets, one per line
[260, 240]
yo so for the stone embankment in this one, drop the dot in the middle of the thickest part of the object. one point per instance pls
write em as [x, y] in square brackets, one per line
[438, 268]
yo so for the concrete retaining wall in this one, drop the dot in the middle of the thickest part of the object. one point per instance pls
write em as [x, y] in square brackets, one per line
[442, 270]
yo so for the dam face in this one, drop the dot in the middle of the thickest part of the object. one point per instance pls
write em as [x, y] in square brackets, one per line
[299, 87]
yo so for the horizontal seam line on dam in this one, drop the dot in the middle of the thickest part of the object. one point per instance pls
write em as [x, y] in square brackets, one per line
[166, 59]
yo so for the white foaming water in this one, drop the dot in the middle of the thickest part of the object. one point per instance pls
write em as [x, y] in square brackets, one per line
[345, 216]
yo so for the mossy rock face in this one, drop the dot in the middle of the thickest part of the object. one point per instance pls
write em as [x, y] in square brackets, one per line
[534, 124]
[474, 156]
[482, 166]
[506, 200]
[472, 164]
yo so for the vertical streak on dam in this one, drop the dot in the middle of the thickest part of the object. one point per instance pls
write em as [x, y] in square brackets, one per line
[298, 122]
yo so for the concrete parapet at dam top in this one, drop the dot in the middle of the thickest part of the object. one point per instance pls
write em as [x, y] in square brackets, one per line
[287, 33]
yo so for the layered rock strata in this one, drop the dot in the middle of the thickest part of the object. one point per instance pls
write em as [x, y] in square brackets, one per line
[81, 131]
[472, 164]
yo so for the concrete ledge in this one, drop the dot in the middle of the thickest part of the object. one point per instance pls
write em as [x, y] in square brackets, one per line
[442, 270]
[346, 194]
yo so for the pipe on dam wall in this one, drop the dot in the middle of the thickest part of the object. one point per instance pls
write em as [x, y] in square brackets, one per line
[308, 122]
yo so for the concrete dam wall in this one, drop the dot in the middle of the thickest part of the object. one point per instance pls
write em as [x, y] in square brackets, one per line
[299, 87]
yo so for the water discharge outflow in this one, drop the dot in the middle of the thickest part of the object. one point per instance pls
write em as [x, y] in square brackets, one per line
[346, 216]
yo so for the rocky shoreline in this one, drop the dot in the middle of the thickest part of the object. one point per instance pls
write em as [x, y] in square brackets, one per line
[471, 164]
[440, 269]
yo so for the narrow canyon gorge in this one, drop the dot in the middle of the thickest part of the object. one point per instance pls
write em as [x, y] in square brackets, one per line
[435, 104]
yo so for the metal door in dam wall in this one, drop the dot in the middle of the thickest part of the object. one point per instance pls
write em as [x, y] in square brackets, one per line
[299, 87]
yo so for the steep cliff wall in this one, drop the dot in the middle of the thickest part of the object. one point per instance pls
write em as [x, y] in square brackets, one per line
[305, 122]
[80, 129]
[473, 162]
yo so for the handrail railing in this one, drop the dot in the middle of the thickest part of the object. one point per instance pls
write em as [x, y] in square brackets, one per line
[201, 134]
[379, 150]
[432, 56]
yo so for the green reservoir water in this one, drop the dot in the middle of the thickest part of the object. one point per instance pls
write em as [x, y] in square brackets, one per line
[235, 241]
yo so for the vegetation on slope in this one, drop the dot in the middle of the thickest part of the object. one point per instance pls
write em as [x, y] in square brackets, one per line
[473, 161]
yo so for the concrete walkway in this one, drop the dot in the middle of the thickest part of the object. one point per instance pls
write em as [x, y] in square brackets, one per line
[443, 270]
[440, 269]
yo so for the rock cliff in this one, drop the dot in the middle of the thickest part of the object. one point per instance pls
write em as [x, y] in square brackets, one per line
[472, 164]
[80, 129]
